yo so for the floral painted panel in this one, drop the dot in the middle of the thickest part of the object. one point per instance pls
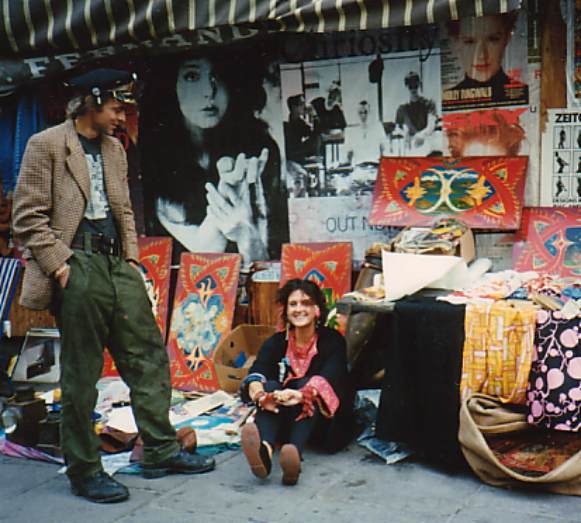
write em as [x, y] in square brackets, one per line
[155, 266]
[202, 316]
[483, 192]
[549, 241]
[554, 391]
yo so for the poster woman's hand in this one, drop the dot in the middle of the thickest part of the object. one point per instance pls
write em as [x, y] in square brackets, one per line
[205, 237]
[230, 206]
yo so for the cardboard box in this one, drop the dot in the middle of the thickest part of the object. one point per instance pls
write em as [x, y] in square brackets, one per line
[243, 343]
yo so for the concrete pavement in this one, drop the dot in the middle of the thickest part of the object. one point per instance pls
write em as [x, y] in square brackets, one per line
[351, 486]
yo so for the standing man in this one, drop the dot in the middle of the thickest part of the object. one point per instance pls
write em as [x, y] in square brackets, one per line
[300, 138]
[417, 118]
[365, 141]
[72, 213]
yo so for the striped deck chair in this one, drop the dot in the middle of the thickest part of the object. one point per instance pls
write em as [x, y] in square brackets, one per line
[10, 269]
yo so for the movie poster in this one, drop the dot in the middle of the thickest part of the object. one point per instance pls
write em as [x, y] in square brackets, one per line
[341, 114]
[484, 62]
[561, 182]
[497, 132]
[212, 152]
[574, 53]
[577, 52]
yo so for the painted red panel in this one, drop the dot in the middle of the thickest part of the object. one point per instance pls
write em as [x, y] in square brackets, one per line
[202, 316]
[483, 192]
[328, 264]
[549, 241]
[155, 261]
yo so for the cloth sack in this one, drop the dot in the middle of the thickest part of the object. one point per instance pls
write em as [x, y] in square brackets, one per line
[481, 416]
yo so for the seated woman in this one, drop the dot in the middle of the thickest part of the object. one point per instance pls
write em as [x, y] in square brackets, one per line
[298, 380]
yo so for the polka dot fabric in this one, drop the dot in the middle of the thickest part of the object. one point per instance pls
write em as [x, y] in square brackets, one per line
[554, 389]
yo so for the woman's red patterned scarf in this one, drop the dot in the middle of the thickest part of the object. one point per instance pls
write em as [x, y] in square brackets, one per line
[317, 390]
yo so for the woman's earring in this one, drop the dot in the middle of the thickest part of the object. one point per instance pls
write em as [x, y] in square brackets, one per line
[287, 328]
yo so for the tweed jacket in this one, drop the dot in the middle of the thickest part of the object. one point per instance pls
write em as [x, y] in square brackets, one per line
[50, 201]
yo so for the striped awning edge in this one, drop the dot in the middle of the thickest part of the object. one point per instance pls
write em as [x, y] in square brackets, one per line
[37, 27]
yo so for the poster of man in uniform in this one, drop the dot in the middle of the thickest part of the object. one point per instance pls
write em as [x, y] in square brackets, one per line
[211, 148]
[562, 159]
[484, 62]
[340, 116]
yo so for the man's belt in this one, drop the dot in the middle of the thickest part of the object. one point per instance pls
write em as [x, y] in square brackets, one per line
[96, 243]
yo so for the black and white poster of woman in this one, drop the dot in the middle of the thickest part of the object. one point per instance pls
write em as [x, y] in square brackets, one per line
[484, 62]
[211, 156]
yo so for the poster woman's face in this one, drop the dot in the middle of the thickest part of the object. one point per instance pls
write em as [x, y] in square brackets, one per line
[480, 46]
[202, 96]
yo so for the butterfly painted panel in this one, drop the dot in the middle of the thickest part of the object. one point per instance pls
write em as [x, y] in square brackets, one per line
[202, 316]
[327, 264]
[483, 192]
[549, 241]
[155, 266]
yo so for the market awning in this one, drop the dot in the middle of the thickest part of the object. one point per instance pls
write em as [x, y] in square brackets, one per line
[53, 34]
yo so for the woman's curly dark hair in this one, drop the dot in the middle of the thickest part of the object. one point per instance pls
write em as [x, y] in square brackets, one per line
[311, 289]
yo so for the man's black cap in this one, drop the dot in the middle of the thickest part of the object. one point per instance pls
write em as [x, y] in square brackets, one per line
[99, 82]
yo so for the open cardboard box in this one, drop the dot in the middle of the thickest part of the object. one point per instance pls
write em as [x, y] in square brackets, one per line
[465, 248]
[242, 344]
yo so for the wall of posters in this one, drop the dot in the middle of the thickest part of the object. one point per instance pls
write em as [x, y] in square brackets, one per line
[561, 183]
[484, 62]
[251, 145]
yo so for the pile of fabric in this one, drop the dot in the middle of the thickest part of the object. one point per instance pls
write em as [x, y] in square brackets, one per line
[521, 385]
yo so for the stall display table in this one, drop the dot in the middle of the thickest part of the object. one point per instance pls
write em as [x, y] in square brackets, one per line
[421, 341]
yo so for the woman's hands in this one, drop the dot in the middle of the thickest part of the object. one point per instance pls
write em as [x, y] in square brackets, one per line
[288, 397]
[231, 208]
[272, 400]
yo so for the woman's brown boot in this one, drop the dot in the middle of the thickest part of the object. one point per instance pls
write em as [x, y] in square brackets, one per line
[256, 451]
[290, 463]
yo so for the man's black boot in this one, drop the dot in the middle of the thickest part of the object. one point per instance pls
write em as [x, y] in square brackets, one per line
[100, 488]
[181, 463]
